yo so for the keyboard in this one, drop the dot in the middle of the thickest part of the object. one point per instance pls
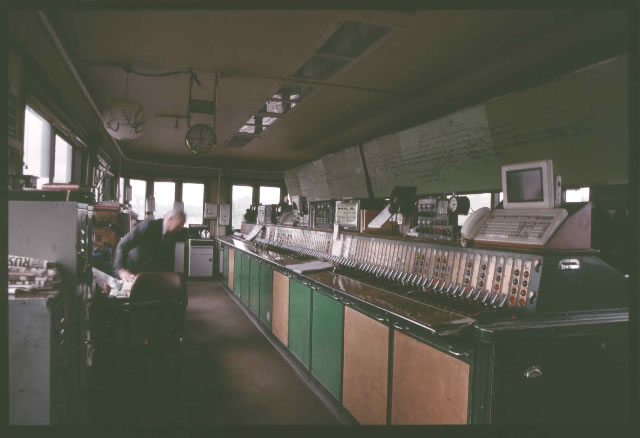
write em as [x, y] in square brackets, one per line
[532, 227]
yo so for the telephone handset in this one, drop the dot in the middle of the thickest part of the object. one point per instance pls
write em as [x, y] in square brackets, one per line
[473, 224]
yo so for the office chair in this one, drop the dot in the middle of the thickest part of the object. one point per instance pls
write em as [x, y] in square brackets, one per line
[156, 315]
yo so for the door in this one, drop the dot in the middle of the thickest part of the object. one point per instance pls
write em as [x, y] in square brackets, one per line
[280, 322]
[366, 367]
[266, 294]
[300, 321]
[237, 273]
[429, 386]
[225, 263]
[244, 282]
[327, 318]
[254, 285]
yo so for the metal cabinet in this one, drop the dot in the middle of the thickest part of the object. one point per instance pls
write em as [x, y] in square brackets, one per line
[366, 367]
[254, 285]
[266, 294]
[40, 377]
[327, 327]
[300, 321]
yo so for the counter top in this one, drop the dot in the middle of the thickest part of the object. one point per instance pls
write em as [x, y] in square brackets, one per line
[435, 319]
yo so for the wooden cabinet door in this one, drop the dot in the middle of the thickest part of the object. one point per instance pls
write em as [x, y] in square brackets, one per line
[254, 285]
[327, 318]
[234, 274]
[225, 263]
[266, 295]
[300, 321]
[429, 386]
[366, 367]
[280, 322]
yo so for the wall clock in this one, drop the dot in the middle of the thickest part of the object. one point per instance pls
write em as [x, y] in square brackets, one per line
[200, 138]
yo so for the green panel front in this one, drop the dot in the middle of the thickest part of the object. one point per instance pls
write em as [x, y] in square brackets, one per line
[237, 272]
[225, 263]
[266, 294]
[254, 285]
[300, 321]
[244, 283]
[326, 342]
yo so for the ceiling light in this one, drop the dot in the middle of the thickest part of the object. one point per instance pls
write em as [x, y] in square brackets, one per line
[124, 119]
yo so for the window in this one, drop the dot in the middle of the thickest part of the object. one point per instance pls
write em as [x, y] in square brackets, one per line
[37, 146]
[62, 162]
[193, 198]
[138, 196]
[577, 195]
[269, 195]
[241, 198]
[476, 201]
[164, 193]
[121, 195]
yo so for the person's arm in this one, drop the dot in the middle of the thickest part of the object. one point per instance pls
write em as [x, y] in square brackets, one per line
[132, 239]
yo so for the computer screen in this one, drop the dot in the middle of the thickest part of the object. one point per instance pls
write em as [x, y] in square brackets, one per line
[528, 185]
[525, 185]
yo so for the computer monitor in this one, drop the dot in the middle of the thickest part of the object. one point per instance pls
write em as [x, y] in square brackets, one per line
[528, 185]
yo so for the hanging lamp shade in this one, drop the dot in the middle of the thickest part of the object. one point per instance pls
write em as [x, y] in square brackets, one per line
[124, 119]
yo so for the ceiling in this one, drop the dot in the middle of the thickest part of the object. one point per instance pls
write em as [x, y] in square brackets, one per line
[428, 63]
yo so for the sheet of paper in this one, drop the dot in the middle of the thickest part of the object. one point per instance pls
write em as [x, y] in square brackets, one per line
[380, 219]
[254, 232]
[314, 266]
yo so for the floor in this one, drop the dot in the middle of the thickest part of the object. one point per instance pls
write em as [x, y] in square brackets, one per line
[225, 372]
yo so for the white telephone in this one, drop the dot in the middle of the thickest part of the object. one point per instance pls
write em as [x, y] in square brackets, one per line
[473, 224]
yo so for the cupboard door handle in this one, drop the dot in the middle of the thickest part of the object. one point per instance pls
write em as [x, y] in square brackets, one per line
[380, 318]
[347, 303]
[398, 327]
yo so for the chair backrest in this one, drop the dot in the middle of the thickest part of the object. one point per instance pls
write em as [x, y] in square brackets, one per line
[157, 303]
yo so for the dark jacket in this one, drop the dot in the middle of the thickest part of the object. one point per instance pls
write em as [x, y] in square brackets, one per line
[145, 249]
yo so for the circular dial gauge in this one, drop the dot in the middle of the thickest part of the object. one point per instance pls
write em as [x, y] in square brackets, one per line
[200, 138]
[453, 204]
[459, 205]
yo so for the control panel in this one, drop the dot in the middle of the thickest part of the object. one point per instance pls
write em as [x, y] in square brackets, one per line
[468, 280]
[322, 214]
[434, 220]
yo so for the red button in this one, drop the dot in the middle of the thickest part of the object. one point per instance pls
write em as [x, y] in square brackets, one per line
[496, 287]
[523, 301]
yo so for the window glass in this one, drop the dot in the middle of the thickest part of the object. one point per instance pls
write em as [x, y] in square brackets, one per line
[577, 195]
[62, 163]
[37, 146]
[138, 196]
[165, 194]
[121, 195]
[241, 198]
[476, 201]
[269, 195]
[193, 199]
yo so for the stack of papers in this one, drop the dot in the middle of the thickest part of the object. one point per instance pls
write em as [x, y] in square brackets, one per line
[314, 266]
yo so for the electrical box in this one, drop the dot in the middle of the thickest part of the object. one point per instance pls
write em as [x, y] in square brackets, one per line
[225, 214]
[210, 211]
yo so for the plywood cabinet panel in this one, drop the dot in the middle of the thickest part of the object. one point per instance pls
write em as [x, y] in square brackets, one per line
[280, 321]
[366, 367]
[266, 294]
[232, 264]
[254, 285]
[429, 386]
[326, 342]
